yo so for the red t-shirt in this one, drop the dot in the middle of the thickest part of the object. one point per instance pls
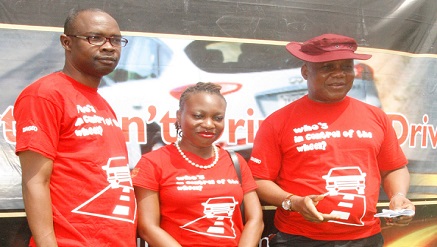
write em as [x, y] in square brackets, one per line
[199, 207]
[312, 148]
[91, 189]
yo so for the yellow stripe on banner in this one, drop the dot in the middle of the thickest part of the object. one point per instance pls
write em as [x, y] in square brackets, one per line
[417, 238]
[423, 179]
[145, 34]
[375, 51]
[380, 204]
[12, 215]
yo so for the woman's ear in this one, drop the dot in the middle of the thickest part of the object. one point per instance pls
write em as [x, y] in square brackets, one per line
[178, 117]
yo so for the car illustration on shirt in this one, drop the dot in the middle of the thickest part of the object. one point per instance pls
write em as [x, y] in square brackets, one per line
[219, 206]
[345, 178]
[117, 171]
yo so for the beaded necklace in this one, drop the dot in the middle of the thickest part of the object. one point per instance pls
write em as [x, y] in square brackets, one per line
[195, 164]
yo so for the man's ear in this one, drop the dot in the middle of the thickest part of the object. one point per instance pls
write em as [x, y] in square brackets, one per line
[304, 71]
[65, 41]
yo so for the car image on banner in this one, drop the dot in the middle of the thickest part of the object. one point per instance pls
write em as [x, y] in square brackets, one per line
[256, 79]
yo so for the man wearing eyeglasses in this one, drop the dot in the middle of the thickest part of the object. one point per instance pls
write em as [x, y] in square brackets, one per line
[77, 188]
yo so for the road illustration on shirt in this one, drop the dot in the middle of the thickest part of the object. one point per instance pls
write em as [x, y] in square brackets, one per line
[340, 180]
[218, 213]
[119, 188]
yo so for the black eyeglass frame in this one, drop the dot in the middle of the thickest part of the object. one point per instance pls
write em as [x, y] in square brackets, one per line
[123, 41]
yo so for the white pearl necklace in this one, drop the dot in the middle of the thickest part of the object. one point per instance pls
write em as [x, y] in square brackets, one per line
[195, 164]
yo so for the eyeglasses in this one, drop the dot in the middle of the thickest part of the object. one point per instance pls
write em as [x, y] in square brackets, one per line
[101, 40]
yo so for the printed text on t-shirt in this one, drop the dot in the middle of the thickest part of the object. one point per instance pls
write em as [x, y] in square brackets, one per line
[85, 117]
[317, 139]
[189, 183]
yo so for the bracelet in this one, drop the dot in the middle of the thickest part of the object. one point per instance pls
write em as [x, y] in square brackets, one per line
[397, 194]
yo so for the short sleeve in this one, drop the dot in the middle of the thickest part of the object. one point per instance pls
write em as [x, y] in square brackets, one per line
[249, 183]
[391, 155]
[38, 123]
[265, 160]
[146, 174]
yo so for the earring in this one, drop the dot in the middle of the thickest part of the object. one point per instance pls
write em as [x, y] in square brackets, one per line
[178, 130]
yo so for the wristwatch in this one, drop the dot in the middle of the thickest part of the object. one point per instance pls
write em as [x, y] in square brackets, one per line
[286, 203]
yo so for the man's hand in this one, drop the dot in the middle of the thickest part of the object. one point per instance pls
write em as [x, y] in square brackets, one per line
[399, 202]
[306, 206]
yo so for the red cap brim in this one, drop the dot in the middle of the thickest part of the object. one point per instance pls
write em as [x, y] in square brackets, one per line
[295, 49]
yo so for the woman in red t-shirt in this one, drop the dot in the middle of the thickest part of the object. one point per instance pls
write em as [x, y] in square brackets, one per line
[188, 192]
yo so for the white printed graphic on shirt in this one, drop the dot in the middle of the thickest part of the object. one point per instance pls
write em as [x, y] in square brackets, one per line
[95, 120]
[119, 187]
[351, 182]
[197, 182]
[220, 209]
[317, 139]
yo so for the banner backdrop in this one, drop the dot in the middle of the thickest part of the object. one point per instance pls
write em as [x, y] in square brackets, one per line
[240, 45]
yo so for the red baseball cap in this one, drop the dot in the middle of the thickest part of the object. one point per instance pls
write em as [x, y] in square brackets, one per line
[326, 47]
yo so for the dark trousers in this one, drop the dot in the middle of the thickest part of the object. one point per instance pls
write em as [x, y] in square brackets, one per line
[286, 240]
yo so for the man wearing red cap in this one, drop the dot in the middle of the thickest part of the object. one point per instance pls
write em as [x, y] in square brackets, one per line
[322, 159]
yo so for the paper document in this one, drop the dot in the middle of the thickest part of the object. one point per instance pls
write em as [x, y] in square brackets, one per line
[387, 213]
